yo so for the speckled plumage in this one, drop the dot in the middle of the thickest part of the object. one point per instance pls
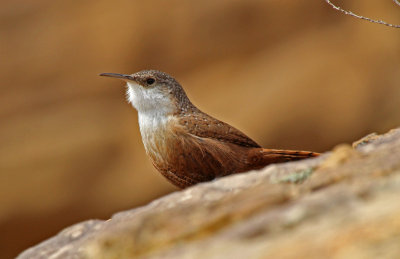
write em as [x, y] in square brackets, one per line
[186, 145]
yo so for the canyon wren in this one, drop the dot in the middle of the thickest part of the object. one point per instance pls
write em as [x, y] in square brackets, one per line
[186, 145]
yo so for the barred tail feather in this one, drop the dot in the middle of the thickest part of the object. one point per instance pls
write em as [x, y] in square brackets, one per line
[280, 156]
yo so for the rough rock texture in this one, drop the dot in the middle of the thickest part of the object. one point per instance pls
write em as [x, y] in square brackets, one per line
[344, 204]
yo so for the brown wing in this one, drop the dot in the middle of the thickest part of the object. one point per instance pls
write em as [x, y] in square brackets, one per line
[205, 126]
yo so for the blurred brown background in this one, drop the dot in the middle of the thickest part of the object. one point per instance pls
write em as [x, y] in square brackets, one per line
[289, 74]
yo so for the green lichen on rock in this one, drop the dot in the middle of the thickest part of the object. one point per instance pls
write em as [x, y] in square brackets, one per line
[297, 177]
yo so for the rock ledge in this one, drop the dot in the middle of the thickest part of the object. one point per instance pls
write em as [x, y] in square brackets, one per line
[344, 204]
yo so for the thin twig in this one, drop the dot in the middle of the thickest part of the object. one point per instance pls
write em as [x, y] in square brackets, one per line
[362, 17]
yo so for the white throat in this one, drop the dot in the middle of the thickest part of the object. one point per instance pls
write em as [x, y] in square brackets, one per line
[154, 107]
[149, 100]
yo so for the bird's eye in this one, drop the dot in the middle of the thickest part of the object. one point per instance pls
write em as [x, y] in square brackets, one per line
[150, 81]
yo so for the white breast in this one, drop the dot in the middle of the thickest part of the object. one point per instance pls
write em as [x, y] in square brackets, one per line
[155, 110]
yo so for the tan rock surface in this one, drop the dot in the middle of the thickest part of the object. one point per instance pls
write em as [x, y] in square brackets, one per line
[341, 205]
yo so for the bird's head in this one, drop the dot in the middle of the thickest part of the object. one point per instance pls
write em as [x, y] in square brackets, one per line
[152, 91]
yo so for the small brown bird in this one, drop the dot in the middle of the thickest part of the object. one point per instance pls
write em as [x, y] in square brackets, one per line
[187, 145]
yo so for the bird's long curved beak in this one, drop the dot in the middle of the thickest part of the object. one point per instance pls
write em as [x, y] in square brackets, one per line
[120, 76]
